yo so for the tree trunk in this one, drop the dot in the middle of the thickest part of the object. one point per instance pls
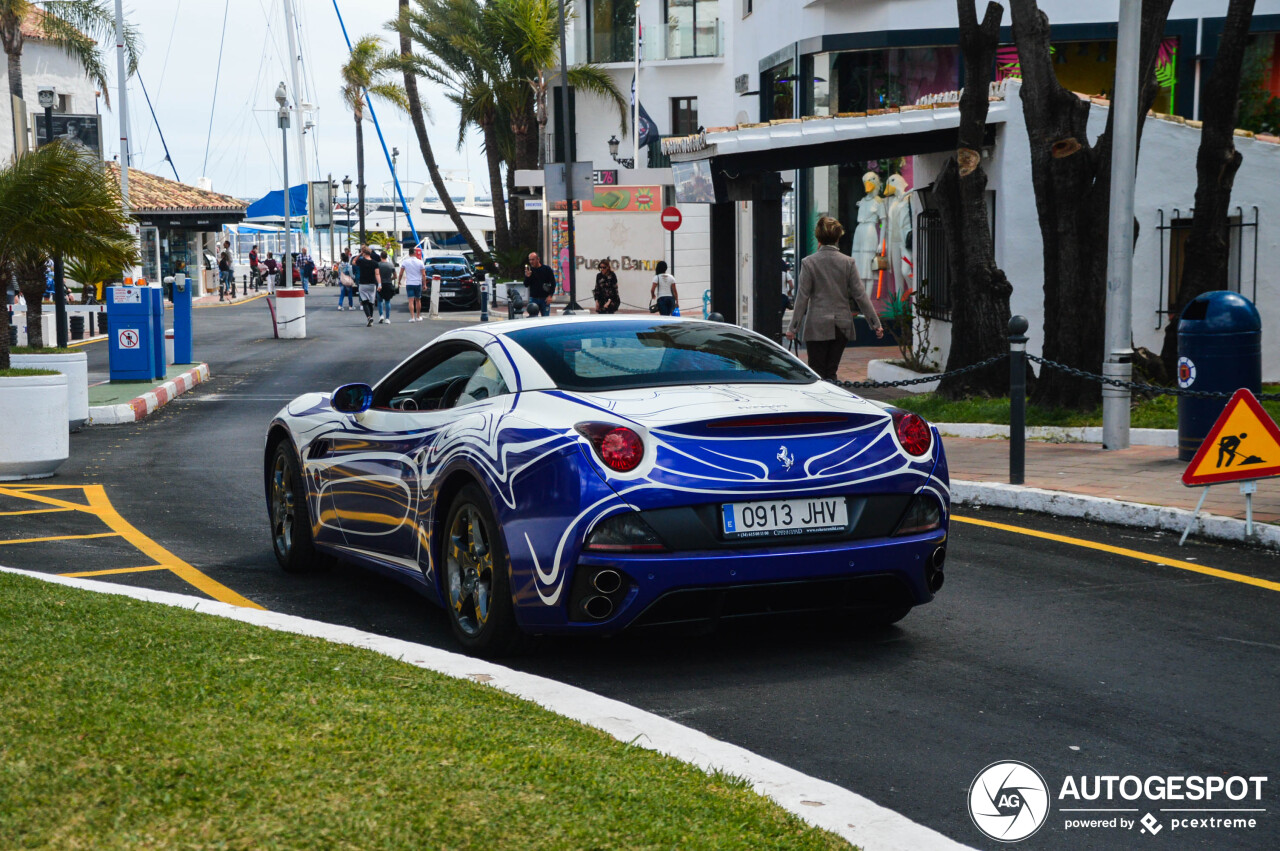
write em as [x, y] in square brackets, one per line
[524, 223]
[1217, 161]
[5, 318]
[364, 238]
[1072, 183]
[424, 143]
[980, 304]
[11, 38]
[501, 234]
[31, 283]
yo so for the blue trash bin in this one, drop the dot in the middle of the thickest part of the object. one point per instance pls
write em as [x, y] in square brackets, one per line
[1219, 351]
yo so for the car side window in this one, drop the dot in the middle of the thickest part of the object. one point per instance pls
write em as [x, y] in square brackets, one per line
[437, 387]
[485, 383]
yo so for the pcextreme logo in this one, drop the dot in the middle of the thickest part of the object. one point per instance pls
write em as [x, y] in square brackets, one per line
[1009, 801]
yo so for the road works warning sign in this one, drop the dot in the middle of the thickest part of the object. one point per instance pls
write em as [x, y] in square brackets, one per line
[1243, 444]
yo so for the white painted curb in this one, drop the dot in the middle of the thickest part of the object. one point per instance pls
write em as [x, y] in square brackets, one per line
[882, 370]
[148, 402]
[1114, 511]
[817, 802]
[1058, 434]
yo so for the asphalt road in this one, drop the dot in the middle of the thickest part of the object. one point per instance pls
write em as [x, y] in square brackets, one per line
[1074, 660]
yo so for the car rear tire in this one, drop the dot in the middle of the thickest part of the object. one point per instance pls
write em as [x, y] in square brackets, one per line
[476, 577]
[287, 509]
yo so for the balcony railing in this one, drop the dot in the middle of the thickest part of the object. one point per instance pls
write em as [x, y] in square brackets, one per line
[685, 40]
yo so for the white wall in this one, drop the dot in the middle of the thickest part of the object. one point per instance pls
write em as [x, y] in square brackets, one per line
[44, 65]
[1166, 179]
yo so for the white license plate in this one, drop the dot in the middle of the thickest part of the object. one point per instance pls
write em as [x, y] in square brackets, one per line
[782, 517]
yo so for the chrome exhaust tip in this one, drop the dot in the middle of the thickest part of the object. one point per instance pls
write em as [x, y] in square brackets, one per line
[933, 573]
[597, 608]
[607, 581]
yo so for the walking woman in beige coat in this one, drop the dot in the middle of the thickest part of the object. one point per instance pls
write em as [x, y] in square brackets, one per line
[829, 289]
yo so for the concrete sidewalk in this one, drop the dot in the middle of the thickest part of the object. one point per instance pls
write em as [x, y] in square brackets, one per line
[1135, 477]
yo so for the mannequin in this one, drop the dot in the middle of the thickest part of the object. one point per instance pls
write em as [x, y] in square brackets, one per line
[898, 221]
[866, 237]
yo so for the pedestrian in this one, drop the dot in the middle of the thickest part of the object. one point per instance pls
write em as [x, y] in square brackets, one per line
[413, 274]
[255, 274]
[346, 282]
[830, 287]
[605, 291]
[664, 289]
[273, 269]
[386, 287]
[306, 268]
[367, 278]
[788, 288]
[226, 276]
[541, 283]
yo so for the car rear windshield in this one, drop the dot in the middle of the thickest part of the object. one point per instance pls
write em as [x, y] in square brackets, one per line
[621, 355]
[446, 269]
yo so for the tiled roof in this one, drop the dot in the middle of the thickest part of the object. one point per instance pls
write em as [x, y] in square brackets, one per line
[31, 23]
[152, 193]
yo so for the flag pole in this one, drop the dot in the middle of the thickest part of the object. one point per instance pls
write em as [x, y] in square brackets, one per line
[635, 94]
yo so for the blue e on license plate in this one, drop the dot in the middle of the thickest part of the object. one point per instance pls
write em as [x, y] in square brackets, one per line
[782, 517]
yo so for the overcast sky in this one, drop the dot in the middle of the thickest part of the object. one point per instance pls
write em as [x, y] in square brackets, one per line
[179, 66]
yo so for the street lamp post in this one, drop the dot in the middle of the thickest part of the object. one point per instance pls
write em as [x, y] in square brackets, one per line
[613, 152]
[48, 96]
[282, 119]
[346, 187]
[395, 202]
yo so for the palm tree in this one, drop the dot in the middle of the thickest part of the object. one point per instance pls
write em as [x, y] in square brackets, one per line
[78, 27]
[457, 42]
[417, 115]
[530, 33]
[366, 72]
[56, 200]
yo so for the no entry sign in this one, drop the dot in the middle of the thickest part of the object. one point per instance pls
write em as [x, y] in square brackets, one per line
[671, 219]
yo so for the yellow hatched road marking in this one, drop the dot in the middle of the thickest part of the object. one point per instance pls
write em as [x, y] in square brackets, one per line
[57, 538]
[33, 511]
[32, 496]
[97, 496]
[100, 506]
[1121, 551]
[87, 573]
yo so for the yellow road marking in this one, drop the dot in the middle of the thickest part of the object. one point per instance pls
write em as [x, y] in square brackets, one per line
[57, 538]
[32, 511]
[85, 342]
[87, 573]
[232, 303]
[1121, 551]
[46, 500]
[97, 496]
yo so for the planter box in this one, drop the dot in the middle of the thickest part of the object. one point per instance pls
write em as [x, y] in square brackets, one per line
[882, 370]
[33, 432]
[75, 367]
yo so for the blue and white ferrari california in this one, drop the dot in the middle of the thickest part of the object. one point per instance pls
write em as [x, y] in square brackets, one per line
[586, 475]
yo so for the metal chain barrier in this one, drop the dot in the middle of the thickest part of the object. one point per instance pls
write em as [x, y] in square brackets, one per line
[909, 381]
[1154, 389]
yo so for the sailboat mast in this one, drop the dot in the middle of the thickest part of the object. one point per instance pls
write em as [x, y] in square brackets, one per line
[299, 122]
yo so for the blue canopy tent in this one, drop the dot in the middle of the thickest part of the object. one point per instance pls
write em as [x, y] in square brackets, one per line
[271, 205]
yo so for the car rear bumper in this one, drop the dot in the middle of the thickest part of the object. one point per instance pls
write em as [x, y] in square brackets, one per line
[708, 586]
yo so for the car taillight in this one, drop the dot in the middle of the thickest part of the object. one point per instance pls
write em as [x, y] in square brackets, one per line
[913, 432]
[624, 533]
[465, 279]
[923, 515]
[619, 447]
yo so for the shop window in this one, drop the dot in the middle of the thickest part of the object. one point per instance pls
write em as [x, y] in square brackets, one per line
[684, 116]
[859, 80]
[1260, 85]
[611, 28]
[1089, 67]
[778, 87]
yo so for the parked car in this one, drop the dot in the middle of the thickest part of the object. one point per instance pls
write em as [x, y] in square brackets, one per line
[596, 473]
[458, 287]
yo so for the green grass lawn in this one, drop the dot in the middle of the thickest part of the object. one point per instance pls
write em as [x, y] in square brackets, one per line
[24, 372]
[1155, 413]
[129, 725]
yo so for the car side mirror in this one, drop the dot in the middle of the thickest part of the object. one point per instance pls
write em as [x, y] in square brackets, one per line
[352, 398]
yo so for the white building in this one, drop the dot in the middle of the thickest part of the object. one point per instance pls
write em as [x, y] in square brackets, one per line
[44, 66]
[786, 61]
